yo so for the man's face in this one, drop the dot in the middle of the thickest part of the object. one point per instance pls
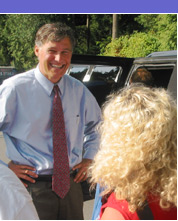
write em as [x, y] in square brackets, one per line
[54, 58]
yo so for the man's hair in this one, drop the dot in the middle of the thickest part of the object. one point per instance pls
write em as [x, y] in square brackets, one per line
[54, 32]
[142, 75]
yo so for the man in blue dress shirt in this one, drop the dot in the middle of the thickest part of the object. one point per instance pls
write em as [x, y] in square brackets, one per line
[26, 121]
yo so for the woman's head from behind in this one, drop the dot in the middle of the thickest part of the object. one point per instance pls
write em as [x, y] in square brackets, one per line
[138, 152]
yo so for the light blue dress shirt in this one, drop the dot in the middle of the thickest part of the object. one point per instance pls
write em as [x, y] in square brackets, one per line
[26, 119]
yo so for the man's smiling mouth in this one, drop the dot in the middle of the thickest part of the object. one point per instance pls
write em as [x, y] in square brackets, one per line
[57, 66]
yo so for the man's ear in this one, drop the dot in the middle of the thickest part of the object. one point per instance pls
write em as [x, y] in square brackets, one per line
[36, 50]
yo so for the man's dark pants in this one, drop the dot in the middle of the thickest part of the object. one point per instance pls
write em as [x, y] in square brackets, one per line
[49, 206]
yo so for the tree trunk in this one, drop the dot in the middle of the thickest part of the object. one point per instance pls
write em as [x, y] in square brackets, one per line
[88, 33]
[115, 33]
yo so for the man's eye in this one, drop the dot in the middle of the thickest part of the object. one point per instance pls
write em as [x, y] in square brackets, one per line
[52, 51]
[65, 52]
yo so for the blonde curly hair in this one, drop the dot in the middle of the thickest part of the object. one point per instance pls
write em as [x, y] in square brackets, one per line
[138, 149]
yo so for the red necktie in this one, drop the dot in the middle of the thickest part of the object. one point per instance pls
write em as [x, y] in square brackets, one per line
[61, 171]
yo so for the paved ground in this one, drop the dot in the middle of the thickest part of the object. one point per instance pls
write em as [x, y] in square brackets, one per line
[88, 209]
[2, 149]
[88, 205]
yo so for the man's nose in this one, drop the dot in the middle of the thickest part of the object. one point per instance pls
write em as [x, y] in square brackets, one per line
[58, 57]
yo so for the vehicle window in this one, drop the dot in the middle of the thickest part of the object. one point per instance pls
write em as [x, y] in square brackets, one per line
[161, 74]
[78, 71]
[104, 73]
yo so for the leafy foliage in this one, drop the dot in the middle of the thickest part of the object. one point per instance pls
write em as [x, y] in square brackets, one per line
[158, 33]
[4, 55]
[136, 45]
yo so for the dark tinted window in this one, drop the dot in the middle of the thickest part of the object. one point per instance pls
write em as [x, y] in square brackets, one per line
[161, 75]
[78, 71]
[104, 73]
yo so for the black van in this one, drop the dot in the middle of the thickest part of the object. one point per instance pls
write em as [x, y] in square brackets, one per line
[103, 74]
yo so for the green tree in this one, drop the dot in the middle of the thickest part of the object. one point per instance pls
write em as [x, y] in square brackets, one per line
[167, 29]
[158, 33]
[136, 45]
[162, 25]
[5, 57]
[100, 31]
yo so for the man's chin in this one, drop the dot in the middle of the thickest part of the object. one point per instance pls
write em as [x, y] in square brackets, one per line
[56, 77]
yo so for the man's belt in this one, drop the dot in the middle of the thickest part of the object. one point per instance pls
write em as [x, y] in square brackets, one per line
[48, 178]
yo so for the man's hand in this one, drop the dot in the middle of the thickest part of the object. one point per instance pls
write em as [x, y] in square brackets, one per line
[23, 171]
[82, 170]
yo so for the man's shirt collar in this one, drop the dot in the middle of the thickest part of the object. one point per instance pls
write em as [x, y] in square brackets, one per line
[46, 84]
